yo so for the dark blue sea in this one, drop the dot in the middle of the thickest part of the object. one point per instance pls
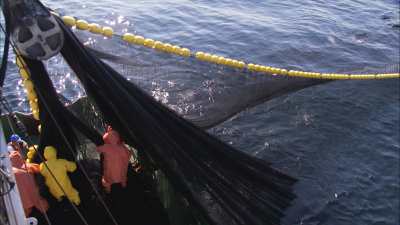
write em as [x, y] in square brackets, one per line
[341, 139]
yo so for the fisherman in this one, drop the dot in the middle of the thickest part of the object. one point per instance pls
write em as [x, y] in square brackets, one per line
[31, 153]
[116, 160]
[58, 168]
[28, 189]
[17, 144]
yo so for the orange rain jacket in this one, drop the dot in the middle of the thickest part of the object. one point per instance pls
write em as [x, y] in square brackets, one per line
[116, 160]
[28, 189]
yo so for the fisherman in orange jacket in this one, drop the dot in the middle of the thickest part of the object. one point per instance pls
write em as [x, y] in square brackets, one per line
[116, 160]
[28, 189]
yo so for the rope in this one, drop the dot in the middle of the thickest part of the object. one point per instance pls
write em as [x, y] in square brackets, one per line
[215, 59]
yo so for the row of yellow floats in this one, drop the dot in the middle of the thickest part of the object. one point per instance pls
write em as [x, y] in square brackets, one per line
[216, 59]
[29, 87]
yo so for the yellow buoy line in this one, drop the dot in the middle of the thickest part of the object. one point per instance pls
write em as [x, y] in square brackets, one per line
[216, 59]
[29, 87]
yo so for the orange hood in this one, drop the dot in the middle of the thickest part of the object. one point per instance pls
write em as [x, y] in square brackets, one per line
[111, 137]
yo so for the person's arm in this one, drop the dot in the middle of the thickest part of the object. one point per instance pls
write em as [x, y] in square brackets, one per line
[71, 166]
[43, 169]
[33, 167]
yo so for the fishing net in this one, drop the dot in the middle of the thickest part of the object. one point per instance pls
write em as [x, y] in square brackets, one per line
[224, 185]
[203, 93]
[198, 165]
[161, 104]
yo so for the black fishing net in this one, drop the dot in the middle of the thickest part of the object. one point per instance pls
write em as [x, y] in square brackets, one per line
[152, 109]
[225, 185]
[203, 93]
[219, 184]
[162, 104]
[62, 128]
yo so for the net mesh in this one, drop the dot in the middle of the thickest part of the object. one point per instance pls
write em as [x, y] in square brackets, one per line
[218, 184]
[200, 167]
[209, 179]
[204, 93]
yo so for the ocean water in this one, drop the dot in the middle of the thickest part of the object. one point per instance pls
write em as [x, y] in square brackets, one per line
[341, 140]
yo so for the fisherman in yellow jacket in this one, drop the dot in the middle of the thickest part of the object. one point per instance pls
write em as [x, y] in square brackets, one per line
[59, 169]
[31, 153]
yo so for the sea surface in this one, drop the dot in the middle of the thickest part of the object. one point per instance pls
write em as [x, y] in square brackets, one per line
[341, 139]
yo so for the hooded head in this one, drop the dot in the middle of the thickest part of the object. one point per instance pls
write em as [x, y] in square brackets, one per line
[111, 137]
[16, 159]
[50, 153]
[31, 152]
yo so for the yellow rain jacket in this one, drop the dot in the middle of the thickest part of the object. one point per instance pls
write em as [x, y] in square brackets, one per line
[59, 168]
[31, 153]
